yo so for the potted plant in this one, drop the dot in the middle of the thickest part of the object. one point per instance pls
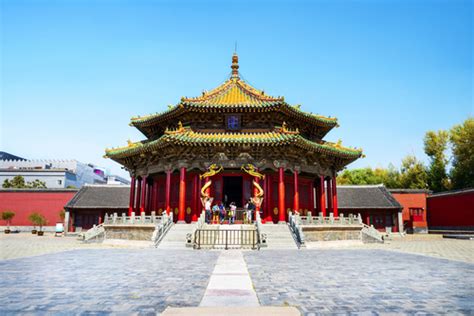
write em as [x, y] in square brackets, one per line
[7, 216]
[32, 219]
[38, 220]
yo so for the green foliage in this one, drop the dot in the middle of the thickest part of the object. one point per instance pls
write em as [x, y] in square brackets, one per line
[435, 145]
[389, 177]
[37, 219]
[7, 216]
[18, 182]
[462, 141]
[413, 174]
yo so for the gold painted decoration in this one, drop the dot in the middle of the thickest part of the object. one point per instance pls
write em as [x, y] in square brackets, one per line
[188, 210]
[176, 211]
[275, 211]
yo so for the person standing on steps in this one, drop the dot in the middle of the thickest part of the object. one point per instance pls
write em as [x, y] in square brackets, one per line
[207, 207]
[232, 211]
[222, 212]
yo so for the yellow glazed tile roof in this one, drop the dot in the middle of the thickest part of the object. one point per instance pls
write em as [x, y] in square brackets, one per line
[186, 137]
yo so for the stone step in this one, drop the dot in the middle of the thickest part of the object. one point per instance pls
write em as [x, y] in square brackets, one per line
[278, 236]
[176, 237]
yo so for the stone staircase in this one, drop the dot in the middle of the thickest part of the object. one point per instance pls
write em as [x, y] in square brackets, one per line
[175, 238]
[278, 236]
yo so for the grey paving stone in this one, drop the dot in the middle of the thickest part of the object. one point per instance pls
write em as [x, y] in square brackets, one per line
[362, 282]
[104, 281]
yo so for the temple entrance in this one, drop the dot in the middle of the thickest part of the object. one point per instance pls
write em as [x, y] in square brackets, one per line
[233, 190]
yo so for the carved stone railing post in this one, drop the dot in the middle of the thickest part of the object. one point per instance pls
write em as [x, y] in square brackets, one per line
[142, 217]
[114, 219]
[153, 214]
[310, 218]
[331, 218]
[132, 219]
[341, 219]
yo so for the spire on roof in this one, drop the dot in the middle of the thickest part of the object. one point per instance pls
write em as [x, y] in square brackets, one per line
[235, 66]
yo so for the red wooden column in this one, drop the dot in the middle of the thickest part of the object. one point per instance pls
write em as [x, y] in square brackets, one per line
[281, 195]
[255, 192]
[329, 195]
[143, 197]
[322, 196]
[334, 197]
[296, 199]
[311, 198]
[182, 194]
[168, 192]
[269, 193]
[195, 199]
[318, 199]
[265, 197]
[131, 204]
[138, 197]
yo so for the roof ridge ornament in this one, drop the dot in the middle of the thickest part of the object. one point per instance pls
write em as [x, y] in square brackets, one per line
[235, 66]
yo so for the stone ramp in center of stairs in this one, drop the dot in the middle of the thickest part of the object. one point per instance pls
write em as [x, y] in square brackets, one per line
[278, 237]
[175, 238]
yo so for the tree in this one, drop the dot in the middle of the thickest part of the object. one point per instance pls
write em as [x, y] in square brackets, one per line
[37, 219]
[7, 216]
[435, 145]
[18, 182]
[413, 174]
[462, 140]
[389, 177]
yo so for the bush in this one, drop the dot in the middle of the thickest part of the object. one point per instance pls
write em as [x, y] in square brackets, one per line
[7, 216]
[37, 219]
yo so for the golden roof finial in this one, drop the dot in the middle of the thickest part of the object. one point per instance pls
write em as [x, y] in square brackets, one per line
[235, 65]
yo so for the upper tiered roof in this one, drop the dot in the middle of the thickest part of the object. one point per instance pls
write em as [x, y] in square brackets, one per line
[233, 95]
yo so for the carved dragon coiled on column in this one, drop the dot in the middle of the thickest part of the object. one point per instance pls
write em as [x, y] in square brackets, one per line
[251, 170]
[212, 171]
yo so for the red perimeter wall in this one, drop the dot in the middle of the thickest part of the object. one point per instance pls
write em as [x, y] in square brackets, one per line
[451, 210]
[48, 203]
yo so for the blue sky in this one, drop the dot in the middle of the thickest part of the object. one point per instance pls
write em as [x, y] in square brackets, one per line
[74, 72]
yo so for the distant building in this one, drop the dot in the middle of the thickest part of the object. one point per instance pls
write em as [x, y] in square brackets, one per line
[55, 173]
[92, 202]
[8, 156]
[114, 179]
[374, 203]
[414, 208]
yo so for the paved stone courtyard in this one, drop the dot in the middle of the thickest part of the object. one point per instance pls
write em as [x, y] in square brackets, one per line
[362, 281]
[100, 281]
[64, 276]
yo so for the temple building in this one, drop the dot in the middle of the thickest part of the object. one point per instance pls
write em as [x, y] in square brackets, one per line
[230, 144]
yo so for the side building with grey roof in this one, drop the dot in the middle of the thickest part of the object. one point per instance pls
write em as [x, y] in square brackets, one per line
[92, 202]
[375, 203]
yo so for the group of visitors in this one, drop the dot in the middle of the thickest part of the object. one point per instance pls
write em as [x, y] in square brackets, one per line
[218, 213]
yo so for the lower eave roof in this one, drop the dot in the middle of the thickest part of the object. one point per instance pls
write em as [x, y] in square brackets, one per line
[188, 137]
